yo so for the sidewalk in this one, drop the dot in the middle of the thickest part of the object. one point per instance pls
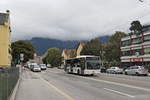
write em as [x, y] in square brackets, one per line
[33, 88]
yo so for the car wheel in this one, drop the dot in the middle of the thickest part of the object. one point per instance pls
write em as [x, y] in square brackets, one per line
[137, 74]
[126, 73]
[92, 74]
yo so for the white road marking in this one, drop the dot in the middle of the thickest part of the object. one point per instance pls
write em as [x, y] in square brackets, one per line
[120, 84]
[110, 82]
[58, 90]
[53, 72]
[118, 92]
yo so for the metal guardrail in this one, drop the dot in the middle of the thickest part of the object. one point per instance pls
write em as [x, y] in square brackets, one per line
[8, 80]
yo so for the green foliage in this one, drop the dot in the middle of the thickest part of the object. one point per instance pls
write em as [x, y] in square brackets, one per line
[53, 57]
[24, 47]
[136, 27]
[112, 49]
[93, 47]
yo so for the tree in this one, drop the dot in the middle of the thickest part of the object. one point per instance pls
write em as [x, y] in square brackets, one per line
[94, 47]
[112, 49]
[108, 52]
[24, 47]
[136, 27]
[53, 57]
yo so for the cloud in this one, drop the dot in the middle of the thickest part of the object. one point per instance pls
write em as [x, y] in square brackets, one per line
[73, 19]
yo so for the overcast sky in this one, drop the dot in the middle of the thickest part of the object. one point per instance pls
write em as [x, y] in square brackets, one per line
[73, 19]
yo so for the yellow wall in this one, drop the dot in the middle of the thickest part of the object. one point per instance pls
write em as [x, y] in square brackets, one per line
[5, 42]
[79, 50]
[65, 56]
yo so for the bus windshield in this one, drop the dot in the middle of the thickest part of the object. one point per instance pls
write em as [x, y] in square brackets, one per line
[93, 65]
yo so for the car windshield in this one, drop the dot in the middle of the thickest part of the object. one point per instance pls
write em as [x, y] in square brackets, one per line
[42, 65]
[137, 67]
[93, 65]
[36, 66]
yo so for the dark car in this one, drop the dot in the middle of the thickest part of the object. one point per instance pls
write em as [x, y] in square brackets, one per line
[103, 69]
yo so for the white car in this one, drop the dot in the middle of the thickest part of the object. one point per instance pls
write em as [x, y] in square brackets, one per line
[31, 66]
[136, 70]
[43, 66]
[49, 66]
[36, 68]
[114, 70]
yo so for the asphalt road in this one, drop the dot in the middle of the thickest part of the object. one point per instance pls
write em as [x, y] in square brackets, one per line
[55, 84]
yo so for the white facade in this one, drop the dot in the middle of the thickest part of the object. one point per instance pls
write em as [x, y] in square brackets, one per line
[135, 49]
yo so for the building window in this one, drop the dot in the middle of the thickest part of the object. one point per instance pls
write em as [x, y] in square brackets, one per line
[147, 50]
[126, 53]
[137, 50]
[126, 43]
[147, 38]
[137, 40]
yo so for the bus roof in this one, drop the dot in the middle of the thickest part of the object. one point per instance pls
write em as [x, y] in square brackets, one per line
[84, 56]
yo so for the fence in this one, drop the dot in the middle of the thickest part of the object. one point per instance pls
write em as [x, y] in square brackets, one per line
[8, 80]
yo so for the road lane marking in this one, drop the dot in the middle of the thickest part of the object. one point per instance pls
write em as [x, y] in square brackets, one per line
[54, 72]
[118, 92]
[110, 82]
[58, 90]
[120, 84]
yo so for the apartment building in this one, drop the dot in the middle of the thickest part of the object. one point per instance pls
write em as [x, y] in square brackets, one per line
[5, 41]
[135, 49]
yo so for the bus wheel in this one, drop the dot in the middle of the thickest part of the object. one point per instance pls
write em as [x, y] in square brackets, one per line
[78, 72]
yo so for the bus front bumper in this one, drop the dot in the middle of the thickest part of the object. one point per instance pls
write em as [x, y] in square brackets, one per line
[89, 72]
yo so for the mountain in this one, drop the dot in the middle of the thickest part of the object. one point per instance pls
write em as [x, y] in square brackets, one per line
[104, 39]
[42, 44]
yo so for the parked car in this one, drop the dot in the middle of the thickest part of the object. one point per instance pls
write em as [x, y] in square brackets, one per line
[43, 66]
[31, 66]
[114, 70]
[136, 70]
[103, 69]
[36, 68]
[49, 66]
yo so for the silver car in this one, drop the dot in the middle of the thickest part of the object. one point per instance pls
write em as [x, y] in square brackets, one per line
[136, 70]
[114, 70]
[43, 66]
[36, 68]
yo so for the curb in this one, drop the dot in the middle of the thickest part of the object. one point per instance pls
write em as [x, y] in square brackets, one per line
[13, 95]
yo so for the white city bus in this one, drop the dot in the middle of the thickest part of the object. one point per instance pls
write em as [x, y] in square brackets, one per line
[83, 65]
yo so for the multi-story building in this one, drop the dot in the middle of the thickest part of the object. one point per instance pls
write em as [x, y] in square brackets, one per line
[135, 49]
[5, 41]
